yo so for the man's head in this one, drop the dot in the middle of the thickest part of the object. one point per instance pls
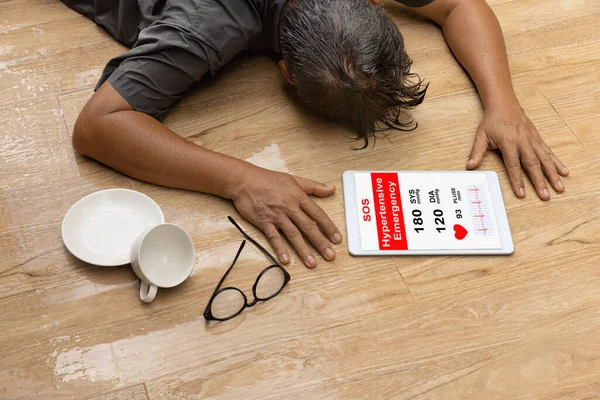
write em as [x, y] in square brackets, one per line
[347, 60]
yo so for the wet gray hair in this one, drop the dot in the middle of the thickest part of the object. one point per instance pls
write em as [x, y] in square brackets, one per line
[348, 61]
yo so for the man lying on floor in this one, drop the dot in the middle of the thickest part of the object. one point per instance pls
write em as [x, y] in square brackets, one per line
[346, 59]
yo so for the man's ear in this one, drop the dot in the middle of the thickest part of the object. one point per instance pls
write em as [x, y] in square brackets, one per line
[285, 72]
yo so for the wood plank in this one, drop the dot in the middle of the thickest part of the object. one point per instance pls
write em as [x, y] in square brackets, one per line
[547, 367]
[46, 64]
[551, 33]
[12, 14]
[35, 146]
[574, 92]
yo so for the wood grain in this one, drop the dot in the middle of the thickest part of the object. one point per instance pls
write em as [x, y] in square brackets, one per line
[137, 392]
[56, 58]
[17, 14]
[33, 132]
[518, 327]
[575, 94]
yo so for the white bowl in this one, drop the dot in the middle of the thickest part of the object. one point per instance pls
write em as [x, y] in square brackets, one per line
[101, 228]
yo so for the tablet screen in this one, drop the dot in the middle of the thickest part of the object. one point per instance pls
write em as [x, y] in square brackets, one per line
[425, 211]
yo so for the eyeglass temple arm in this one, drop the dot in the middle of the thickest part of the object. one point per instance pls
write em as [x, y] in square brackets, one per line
[254, 242]
[230, 268]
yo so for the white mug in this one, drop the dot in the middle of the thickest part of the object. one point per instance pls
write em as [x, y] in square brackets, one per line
[164, 257]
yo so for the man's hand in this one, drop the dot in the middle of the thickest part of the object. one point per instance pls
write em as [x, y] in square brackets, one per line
[274, 202]
[508, 129]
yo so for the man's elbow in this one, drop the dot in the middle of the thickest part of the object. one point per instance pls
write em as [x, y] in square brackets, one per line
[83, 134]
[443, 9]
[89, 132]
[90, 129]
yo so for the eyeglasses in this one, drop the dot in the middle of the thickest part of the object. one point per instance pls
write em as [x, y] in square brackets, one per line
[228, 302]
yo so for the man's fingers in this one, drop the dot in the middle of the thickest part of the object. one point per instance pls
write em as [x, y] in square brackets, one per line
[532, 165]
[315, 188]
[295, 237]
[317, 214]
[550, 169]
[277, 243]
[560, 167]
[311, 231]
[513, 166]
[480, 146]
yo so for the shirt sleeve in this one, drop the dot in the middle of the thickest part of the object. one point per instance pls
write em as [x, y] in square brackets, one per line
[164, 63]
[415, 3]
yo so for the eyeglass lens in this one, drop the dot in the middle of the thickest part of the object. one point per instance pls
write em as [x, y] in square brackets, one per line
[269, 283]
[227, 303]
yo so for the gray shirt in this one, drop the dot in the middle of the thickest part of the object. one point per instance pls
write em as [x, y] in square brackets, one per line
[174, 43]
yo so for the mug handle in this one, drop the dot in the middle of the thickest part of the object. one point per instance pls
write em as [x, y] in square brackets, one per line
[148, 292]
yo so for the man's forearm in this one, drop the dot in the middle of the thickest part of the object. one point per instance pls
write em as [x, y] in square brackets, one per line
[474, 35]
[139, 146]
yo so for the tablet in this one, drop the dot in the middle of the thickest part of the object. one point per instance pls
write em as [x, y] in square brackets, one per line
[425, 213]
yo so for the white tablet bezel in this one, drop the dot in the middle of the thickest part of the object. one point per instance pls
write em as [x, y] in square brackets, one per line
[352, 218]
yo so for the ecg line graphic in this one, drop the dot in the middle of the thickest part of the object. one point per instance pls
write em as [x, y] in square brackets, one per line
[480, 212]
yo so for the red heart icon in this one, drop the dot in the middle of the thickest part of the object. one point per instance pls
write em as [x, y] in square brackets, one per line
[460, 232]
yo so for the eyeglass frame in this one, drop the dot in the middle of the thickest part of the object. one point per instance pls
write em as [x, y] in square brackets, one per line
[208, 315]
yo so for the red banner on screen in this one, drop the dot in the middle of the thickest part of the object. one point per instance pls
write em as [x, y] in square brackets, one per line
[388, 211]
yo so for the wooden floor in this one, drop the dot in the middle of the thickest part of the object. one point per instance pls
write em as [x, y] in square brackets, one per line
[519, 327]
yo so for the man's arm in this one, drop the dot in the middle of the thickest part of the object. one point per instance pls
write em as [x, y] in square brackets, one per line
[475, 37]
[110, 131]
